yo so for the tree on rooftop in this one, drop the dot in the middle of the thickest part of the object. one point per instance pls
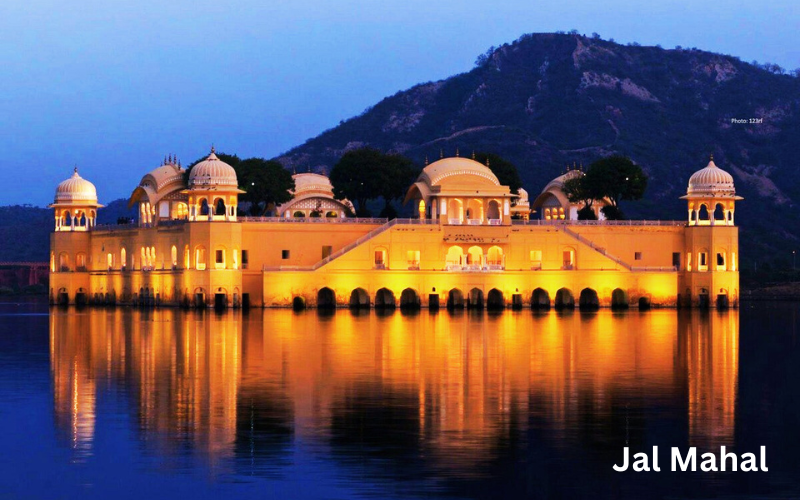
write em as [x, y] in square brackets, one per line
[615, 178]
[505, 171]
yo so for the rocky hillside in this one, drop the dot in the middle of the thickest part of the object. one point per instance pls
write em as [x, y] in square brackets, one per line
[548, 100]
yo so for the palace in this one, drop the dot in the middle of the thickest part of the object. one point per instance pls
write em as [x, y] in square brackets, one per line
[472, 243]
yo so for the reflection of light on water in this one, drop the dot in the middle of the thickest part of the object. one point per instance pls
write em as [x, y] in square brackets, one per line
[452, 388]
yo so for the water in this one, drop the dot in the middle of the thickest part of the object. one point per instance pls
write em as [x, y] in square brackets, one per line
[125, 403]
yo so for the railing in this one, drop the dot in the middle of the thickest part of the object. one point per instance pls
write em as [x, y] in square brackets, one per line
[317, 220]
[454, 222]
[131, 227]
[542, 222]
[495, 222]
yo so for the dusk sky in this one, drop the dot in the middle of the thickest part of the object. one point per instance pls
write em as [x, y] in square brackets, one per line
[114, 86]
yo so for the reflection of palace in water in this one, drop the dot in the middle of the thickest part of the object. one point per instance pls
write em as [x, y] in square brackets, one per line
[454, 386]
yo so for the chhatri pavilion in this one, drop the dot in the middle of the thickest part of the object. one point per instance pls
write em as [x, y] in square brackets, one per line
[472, 243]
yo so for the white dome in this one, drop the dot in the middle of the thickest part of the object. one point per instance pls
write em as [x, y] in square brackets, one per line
[451, 167]
[76, 189]
[312, 183]
[212, 172]
[711, 180]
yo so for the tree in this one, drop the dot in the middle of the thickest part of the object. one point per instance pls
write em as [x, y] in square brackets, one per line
[579, 191]
[505, 171]
[367, 173]
[615, 178]
[265, 182]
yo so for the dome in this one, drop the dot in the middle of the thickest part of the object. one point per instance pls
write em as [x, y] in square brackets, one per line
[711, 181]
[76, 189]
[212, 172]
[437, 171]
[312, 183]
[559, 181]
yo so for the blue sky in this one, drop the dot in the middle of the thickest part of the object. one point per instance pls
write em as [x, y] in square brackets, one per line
[114, 86]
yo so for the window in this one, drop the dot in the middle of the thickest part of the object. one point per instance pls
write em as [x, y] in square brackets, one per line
[733, 261]
[412, 256]
[245, 259]
[219, 257]
[702, 261]
[327, 250]
[80, 262]
[174, 257]
[637, 255]
[200, 258]
[284, 254]
[568, 259]
[720, 261]
[676, 260]
[536, 259]
[380, 259]
[110, 261]
[235, 258]
[689, 261]
[123, 259]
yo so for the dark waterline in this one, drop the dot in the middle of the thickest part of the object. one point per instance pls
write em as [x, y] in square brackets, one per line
[125, 403]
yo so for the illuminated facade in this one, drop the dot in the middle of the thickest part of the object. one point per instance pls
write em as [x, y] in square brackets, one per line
[471, 244]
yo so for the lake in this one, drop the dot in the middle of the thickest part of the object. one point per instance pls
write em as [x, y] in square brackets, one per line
[127, 403]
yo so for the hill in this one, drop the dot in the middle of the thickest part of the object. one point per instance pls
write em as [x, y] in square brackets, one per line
[550, 100]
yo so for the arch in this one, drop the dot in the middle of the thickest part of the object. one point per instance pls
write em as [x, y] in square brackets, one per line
[474, 209]
[326, 298]
[298, 303]
[67, 218]
[475, 257]
[80, 261]
[475, 299]
[493, 210]
[63, 262]
[123, 258]
[495, 300]
[567, 258]
[588, 300]
[298, 214]
[455, 210]
[719, 212]
[200, 257]
[219, 206]
[564, 299]
[384, 299]
[722, 299]
[540, 299]
[494, 256]
[359, 298]
[331, 214]
[455, 299]
[644, 302]
[454, 257]
[409, 299]
[619, 299]
[702, 212]
[204, 208]
[174, 255]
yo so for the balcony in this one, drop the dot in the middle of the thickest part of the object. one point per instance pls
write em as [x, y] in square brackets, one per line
[454, 222]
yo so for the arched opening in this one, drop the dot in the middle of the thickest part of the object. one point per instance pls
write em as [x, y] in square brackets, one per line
[619, 299]
[564, 299]
[330, 214]
[495, 300]
[200, 258]
[326, 298]
[409, 299]
[80, 262]
[475, 257]
[722, 299]
[359, 299]
[174, 255]
[719, 213]
[298, 214]
[455, 257]
[298, 303]
[204, 206]
[219, 207]
[702, 213]
[493, 211]
[63, 262]
[455, 299]
[66, 219]
[494, 258]
[474, 211]
[588, 300]
[123, 259]
[384, 299]
[644, 302]
[540, 299]
[475, 299]
[455, 211]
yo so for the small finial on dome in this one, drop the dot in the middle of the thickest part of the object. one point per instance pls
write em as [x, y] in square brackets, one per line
[456, 152]
[213, 151]
[487, 161]
[426, 160]
[441, 153]
[711, 158]
[75, 170]
[473, 154]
